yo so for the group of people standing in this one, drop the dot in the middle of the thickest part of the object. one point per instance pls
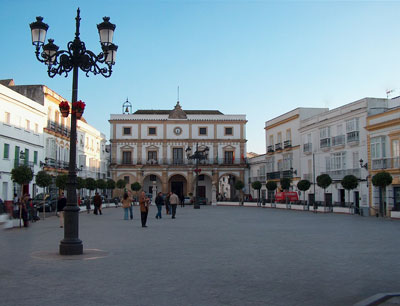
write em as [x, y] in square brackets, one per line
[171, 201]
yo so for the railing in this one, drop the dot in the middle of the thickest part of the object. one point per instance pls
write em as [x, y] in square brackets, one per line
[338, 140]
[58, 164]
[58, 128]
[340, 174]
[257, 178]
[278, 146]
[307, 176]
[184, 161]
[325, 143]
[21, 162]
[307, 147]
[353, 136]
[287, 144]
[279, 174]
[270, 149]
[386, 163]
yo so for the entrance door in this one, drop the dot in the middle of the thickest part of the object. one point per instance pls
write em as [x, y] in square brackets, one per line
[396, 195]
[328, 199]
[342, 197]
[311, 198]
[201, 191]
[357, 202]
[177, 188]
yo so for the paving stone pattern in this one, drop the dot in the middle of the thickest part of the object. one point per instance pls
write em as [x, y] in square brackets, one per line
[210, 256]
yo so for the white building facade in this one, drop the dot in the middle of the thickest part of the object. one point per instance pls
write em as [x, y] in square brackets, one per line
[150, 147]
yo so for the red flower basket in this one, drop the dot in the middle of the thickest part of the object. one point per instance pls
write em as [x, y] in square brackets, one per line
[64, 108]
[78, 108]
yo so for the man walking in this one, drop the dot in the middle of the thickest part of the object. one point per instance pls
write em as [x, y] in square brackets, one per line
[174, 200]
[97, 203]
[61, 203]
[144, 203]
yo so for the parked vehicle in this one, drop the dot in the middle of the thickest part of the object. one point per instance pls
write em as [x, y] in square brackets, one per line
[50, 202]
[187, 200]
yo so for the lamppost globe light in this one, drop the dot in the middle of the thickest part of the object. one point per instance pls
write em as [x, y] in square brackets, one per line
[106, 31]
[38, 31]
[110, 52]
[50, 49]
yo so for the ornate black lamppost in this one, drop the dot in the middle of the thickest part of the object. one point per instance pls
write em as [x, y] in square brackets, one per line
[63, 62]
[197, 156]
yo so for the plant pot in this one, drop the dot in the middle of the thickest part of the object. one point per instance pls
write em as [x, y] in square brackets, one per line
[64, 112]
[79, 114]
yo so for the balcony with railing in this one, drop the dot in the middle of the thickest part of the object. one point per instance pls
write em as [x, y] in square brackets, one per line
[353, 136]
[279, 174]
[325, 143]
[338, 140]
[278, 146]
[270, 149]
[307, 147]
[21, 162]
[57, 164]
[307, 176]
[58, 128]
[386, 163]
[287, 144]
[184, 161]
[338, 175]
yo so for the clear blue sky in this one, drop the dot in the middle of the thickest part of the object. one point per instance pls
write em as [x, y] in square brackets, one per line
[259, 58]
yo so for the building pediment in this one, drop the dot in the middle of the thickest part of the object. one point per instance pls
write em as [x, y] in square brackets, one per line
[177, 113]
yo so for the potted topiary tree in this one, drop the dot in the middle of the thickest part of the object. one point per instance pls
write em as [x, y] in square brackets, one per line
[303, 186]
[271, 187]
[136, 187]
[111, 187]
[43, 180]
[90, 185]
[324, 181]
[239, 185]
[350, 182]
[382, 180]
[285, 185]
[21, 175]
[257, 186]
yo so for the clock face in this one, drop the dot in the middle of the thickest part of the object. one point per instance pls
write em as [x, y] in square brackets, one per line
[177, 130]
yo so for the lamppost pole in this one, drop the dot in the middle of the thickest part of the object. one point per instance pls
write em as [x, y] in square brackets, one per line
[197, 156]
[62, 62]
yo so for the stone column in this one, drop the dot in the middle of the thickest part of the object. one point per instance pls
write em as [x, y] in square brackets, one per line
[214, 194]
[190, 181]
[154, 192]
[164, 181]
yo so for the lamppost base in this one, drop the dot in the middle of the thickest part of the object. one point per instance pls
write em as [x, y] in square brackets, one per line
[71, 248]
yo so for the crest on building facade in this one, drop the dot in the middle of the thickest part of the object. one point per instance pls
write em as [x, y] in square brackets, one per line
[177, 113]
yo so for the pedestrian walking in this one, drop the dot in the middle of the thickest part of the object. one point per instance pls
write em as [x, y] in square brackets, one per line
[159, 202]
[174, 200]
[61, 203]
[182, 199]
[167, 204]
[15, 207]
[97, 204]
[87, 203]
[24, 209]
[144, 203]
[127, 205]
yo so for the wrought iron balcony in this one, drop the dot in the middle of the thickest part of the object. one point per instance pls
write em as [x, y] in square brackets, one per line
[58, 128]
[353, 136]
[287, 144]
[278, 146]
[270, 149]
[340, 174]
[325, 143]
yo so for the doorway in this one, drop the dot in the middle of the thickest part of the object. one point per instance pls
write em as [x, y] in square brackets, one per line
[356, 202]
[396, 196]
[177, 188]
[342, 198]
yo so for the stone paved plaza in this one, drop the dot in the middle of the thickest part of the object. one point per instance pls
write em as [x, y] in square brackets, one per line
[211, 256]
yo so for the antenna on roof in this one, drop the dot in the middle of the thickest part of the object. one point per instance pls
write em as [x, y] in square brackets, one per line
[178, 93]
[388, 92]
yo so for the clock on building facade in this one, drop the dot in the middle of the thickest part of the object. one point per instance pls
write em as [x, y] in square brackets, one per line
[177, 130]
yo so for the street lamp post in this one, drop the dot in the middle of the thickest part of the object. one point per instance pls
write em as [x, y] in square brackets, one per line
[197, 156]
[62, 62]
